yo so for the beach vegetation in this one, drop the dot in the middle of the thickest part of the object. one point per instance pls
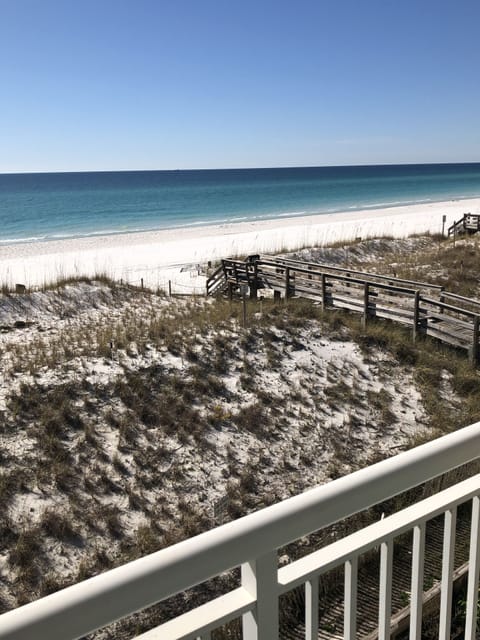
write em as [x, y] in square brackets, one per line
[127, 416]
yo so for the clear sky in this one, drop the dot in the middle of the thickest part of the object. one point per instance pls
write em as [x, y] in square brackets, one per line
[166, 84]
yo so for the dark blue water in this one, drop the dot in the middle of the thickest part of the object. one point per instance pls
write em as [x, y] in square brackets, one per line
[62, 205]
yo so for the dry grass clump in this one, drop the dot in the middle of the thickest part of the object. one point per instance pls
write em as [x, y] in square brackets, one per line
[57, 525]
[67, 281]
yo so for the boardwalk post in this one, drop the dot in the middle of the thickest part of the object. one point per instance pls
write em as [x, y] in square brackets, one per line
[416, 313]
[244, 304]
[366, 291]
[254, 284]
[442, 300]
[287, 283]
[324, 291]
[474, 348]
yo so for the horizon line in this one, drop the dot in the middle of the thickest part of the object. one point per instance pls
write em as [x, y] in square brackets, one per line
[324, 166]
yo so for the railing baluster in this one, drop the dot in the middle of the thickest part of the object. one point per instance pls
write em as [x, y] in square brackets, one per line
[385, 595]
[473, 571]
[447, 573]
[350, 599]
[311, 609]
[259, 577]
[416, 599]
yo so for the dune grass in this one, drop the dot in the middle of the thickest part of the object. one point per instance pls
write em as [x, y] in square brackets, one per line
[111, 493]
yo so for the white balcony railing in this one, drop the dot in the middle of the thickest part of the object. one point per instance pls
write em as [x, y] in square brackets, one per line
[252, 543]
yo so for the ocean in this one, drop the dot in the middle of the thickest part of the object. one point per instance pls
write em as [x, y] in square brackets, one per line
[45, 206]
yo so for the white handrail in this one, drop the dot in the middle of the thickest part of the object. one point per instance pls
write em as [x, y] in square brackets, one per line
[96, 602]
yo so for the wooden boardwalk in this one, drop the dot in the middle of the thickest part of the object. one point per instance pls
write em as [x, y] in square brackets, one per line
[426, 308]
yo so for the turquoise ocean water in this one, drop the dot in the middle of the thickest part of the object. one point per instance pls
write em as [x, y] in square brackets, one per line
[64, 205]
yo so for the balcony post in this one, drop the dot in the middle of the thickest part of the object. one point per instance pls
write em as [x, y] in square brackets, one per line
[350, 606]
[447, 573]
[259, 577]
[385, 594]
[311, 609]
[416, 600]
[473, 571]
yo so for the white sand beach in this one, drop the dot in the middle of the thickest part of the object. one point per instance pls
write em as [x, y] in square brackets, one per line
[160, 256]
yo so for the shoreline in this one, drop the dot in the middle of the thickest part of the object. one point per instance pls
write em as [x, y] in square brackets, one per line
[260, 219]
[163, 255]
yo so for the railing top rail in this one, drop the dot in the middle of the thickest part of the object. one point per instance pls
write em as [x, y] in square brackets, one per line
[215, 278]
[455, 296]
[217, 271]
[235, 262]
[457, 223]
[448, 307]
[417, 283]
[341, 278]
[98, 601]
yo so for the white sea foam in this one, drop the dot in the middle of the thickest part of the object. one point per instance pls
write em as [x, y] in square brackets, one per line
[19, 240]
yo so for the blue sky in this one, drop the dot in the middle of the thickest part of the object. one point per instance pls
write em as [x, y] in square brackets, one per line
[166, 84]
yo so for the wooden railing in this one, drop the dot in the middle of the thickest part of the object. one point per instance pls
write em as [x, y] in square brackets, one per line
[216, 282]
[252, 543]
[468, 223]
[373, 277]
[422, 306]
